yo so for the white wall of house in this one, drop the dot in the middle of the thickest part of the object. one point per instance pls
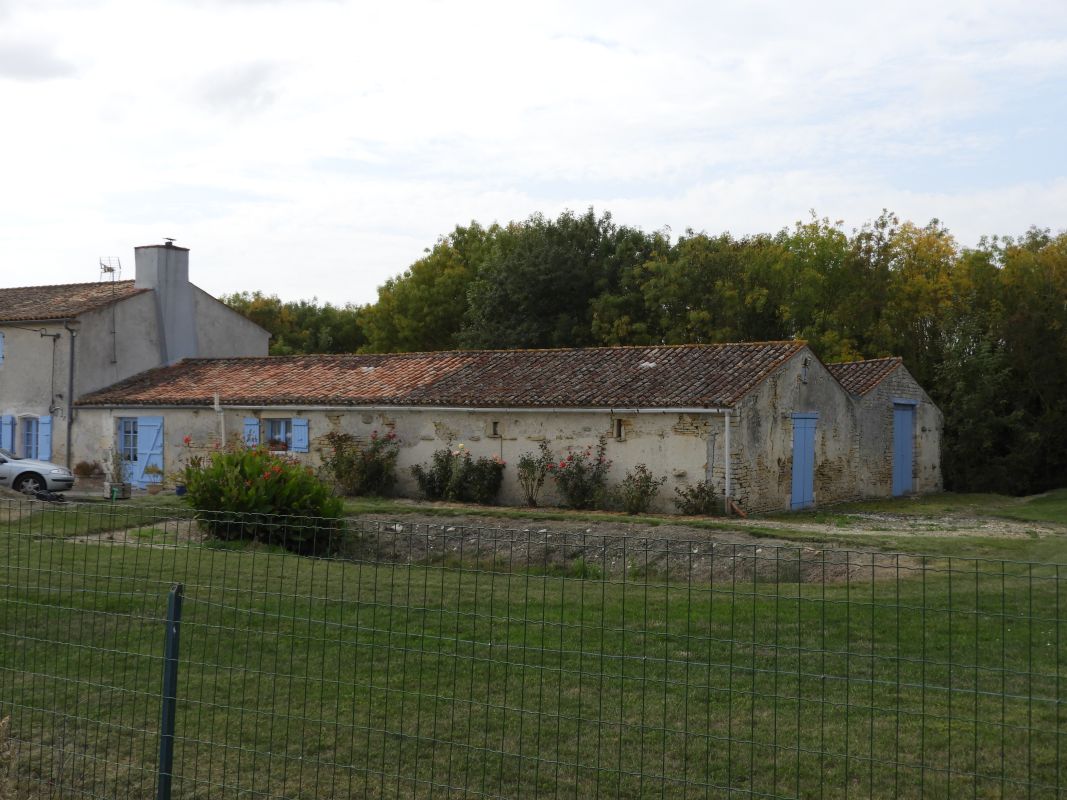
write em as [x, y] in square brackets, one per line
[670, 444]
[33, 385]
[115, 342]
[223, 333]
[34, 367]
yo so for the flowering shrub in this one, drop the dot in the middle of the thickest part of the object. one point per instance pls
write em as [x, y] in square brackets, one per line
[247, 493]
[362, 469]
[532, 470]
[697, 499]
[581, 476]
[638, 489]
[455, 475]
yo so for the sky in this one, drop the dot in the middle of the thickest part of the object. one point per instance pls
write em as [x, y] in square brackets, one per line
[316, 148]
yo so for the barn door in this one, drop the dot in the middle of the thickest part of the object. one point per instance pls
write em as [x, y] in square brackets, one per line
[903, 448]
[803, 494]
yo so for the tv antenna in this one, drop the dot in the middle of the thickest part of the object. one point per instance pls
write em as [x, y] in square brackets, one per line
[110, 268]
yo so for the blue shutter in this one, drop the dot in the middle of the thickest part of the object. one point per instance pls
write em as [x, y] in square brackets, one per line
[7, 432]
[300, 436]
[44, 438]
[149, 449]
[251, 431]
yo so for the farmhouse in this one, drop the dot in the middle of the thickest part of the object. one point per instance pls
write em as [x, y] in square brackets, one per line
[766, 422]
[60, 342]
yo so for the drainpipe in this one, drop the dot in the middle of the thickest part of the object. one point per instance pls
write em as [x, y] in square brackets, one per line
[726, 498]
[70, 390]
[221, 419]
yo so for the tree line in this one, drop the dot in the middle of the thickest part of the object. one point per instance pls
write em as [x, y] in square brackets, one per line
[983, 329]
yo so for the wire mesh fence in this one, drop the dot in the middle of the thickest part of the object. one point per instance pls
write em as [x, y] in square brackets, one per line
[445, 661]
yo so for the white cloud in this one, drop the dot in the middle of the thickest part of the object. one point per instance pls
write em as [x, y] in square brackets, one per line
[315, 148]
[239, 89]
[25, 61]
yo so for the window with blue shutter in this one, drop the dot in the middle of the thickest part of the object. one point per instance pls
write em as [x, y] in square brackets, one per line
[29, 437]
[127, 435]
[7, 433]
[301, 440]
[44, 438]
[251, 431]
[128, 438]
[279, 433]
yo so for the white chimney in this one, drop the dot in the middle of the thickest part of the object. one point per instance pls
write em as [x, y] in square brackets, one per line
[164, 268]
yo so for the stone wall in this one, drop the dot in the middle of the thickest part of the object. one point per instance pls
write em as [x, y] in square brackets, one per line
[762, 437]
[876, 437]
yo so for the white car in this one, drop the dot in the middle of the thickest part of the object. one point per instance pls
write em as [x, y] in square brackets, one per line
[30, 475]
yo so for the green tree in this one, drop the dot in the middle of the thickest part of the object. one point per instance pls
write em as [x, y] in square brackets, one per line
[423, 309]
[541, 278]
[301, 326]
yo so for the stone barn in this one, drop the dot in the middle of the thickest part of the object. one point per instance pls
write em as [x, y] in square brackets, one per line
[767, 423]
[898, 428]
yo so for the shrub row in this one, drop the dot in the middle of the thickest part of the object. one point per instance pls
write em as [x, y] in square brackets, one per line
[580, 477]
[251, 493]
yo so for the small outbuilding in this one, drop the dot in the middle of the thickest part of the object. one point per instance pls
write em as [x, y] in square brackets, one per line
[766, 423]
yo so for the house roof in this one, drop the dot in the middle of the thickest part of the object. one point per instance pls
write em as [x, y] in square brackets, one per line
[681, 376]
[860, 377]
[63, 301]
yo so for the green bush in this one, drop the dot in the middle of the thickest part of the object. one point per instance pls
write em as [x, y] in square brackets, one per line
[697, 499]
[456, 476]
[581, 477]
[248, 493]
[357, 469]
[638, 489]
[532, 471]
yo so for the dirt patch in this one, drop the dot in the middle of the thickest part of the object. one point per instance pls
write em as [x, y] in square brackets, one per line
[898, 524]
[165, 533]
[615, 550]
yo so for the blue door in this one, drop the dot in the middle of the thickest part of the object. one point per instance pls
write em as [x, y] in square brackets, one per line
[803, 460]
[903, 448]
[149, 451]
[141, 444]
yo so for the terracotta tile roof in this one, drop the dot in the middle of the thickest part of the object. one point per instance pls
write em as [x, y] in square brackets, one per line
[61, 302]
[859, 377]
[684, 376]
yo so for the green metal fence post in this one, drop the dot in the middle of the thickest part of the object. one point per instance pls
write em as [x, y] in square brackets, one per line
[170, 693]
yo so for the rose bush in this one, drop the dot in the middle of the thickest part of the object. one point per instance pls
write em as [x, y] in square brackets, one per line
[362, 469]
[581, 477]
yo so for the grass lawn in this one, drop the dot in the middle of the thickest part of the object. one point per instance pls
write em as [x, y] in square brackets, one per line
[473, 676]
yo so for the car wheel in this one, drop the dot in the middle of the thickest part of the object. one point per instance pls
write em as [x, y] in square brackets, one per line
[30, 483]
